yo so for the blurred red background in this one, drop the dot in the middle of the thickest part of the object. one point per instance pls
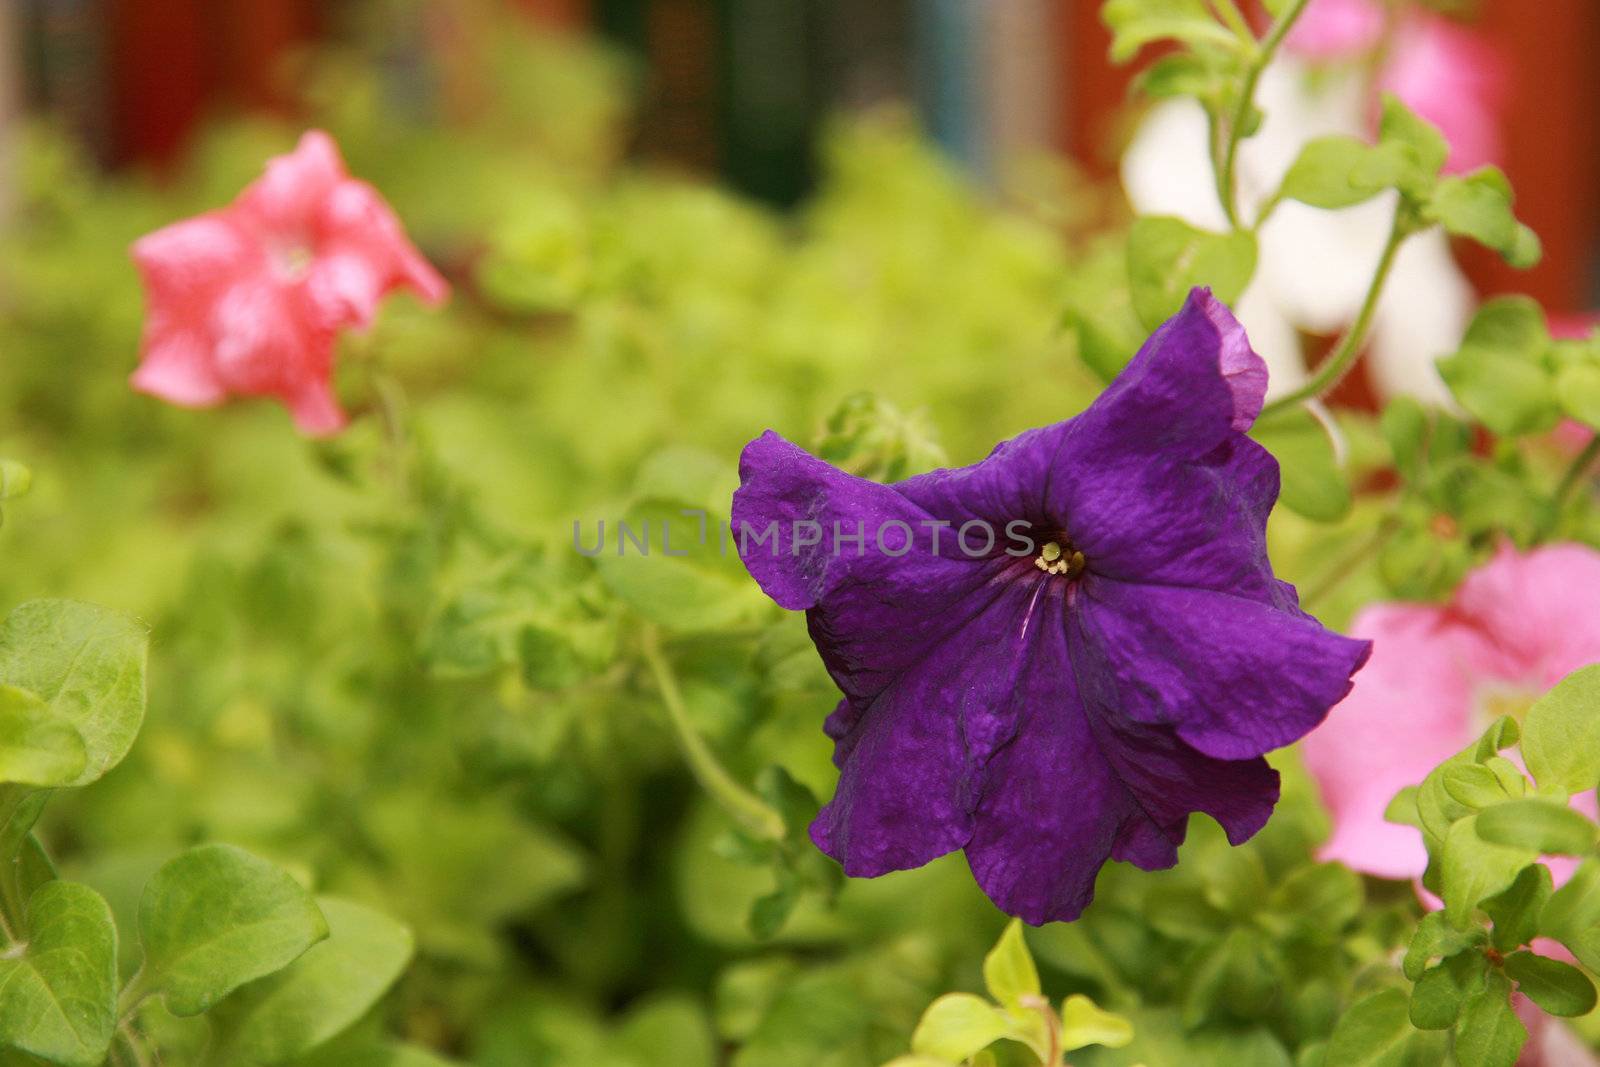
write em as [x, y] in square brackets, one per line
[172, 61]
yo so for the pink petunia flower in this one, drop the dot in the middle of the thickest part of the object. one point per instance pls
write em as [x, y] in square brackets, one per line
[1448, 74]
[249, 300]
[1438, 675]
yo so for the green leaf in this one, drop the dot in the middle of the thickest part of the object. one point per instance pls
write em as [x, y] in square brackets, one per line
[1509, 324]
[1511, 394]
[1572, 915]
[1180, 74]
[1438, 997]
[1489, 1033]
[1414, 151]
[1509, 775]
[88, 665]
[58, 997]
[1376, 1032]
[1333, 172]
[871, 438]
[1437, 810]
[1472, 869]
[1136, 23]
[1084, 1023]
[1542, 825]
[1578, 390]
[957, 1025]
[1436, 938]
[1405, 427]
[1501, 734]
[1328, 895]
[1478, 205]
[1008, 970]
[1240, 976]
[1559, 988]
[768, 913]
[1167, 258]
[682, 584]
[1516, 912]
[1561, 734]
[1403, 810]
[1474, 785]
[36, 747]
[216, 917]
[336, 982]
[1313, 484]
[668, 1030]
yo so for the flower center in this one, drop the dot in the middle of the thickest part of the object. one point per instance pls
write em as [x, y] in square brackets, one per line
[1497, 700]
[1054, 559]
[292, 259]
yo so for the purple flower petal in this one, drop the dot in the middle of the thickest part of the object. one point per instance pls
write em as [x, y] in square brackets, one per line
[872, 612]
[1079, 786]
[1236, 678]
[1010, 483]
[913, 761]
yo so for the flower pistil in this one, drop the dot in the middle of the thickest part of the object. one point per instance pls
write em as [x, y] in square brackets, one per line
[1053, 559]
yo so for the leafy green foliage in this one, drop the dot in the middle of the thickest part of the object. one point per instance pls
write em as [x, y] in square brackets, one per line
[959, 1026]
[216, 917]
[1167, 257]
[1486, 827]
[1335, 172]
[1136, 23]
[1377, 1032]
[37, 747]
[321, 994]
[1313, 483]
[1503, 372]
[58, 982]
[87, 665]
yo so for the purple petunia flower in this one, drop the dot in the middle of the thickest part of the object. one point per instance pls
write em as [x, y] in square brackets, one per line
[1117, 656]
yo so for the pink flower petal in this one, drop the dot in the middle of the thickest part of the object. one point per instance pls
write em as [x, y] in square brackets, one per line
[1537, 613]
[249, 300]
[1410, 709]
[1336, 29]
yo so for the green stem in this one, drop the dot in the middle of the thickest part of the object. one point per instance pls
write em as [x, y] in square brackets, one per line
[133, 1043]
[1235, 19]
[1575, 472]
[20, 807]
[750, 810]
[133, 994]
[1336, 366]
[1241, 112]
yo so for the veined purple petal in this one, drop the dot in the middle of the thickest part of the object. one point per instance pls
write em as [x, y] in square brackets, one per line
[1165, 521]
[1234, 677]
[1192, 383]
[1008, 484]
[1156, 481]
[872, 613]
[914, 762]
[1243, 370]
[1079, 785]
